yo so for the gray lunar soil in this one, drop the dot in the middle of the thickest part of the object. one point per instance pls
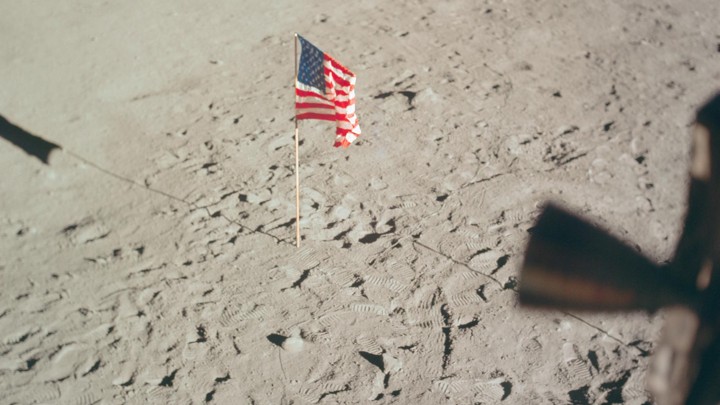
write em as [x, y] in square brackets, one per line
[154, 261]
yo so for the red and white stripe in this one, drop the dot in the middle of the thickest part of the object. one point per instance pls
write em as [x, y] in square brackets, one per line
[335, 103]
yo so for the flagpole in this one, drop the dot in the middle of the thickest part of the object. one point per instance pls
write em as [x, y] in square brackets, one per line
[297, 158]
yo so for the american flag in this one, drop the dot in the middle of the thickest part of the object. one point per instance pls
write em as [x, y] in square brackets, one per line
[325, 90]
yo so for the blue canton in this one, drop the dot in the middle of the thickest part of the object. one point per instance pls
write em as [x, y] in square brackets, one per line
[310, 71]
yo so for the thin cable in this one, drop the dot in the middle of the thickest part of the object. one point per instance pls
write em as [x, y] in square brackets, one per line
[164, 194]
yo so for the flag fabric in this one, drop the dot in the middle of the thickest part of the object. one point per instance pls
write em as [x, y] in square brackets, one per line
[325, 90]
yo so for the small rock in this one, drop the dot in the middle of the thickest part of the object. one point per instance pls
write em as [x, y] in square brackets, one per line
[293, 344]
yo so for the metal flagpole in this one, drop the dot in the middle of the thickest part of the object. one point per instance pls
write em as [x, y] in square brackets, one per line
[297, 158]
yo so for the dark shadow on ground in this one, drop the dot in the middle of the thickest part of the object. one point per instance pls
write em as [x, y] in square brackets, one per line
[31, 144]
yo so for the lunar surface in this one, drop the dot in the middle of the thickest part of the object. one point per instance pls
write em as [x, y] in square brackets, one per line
[153, 258]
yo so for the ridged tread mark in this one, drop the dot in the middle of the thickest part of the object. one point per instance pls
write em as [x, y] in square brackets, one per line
[334, 318]
[87, 398]
[532, 345]
[449, 387]
[405, 204]
[369, 344]
[344, 278]
[308, 395]
[468, 275]
[386, 282]
[577, 368]
[492, 391]
[425, 318]
[469, 233]
[200, 389]
[35, 394]
[425, 297]
[231, 316]
[159, 393]
[478, 244]
[401, 271]
[332, 388]
[634, 389]
[514, 216]
[466, 298]
[308, 258]
[369, 309]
